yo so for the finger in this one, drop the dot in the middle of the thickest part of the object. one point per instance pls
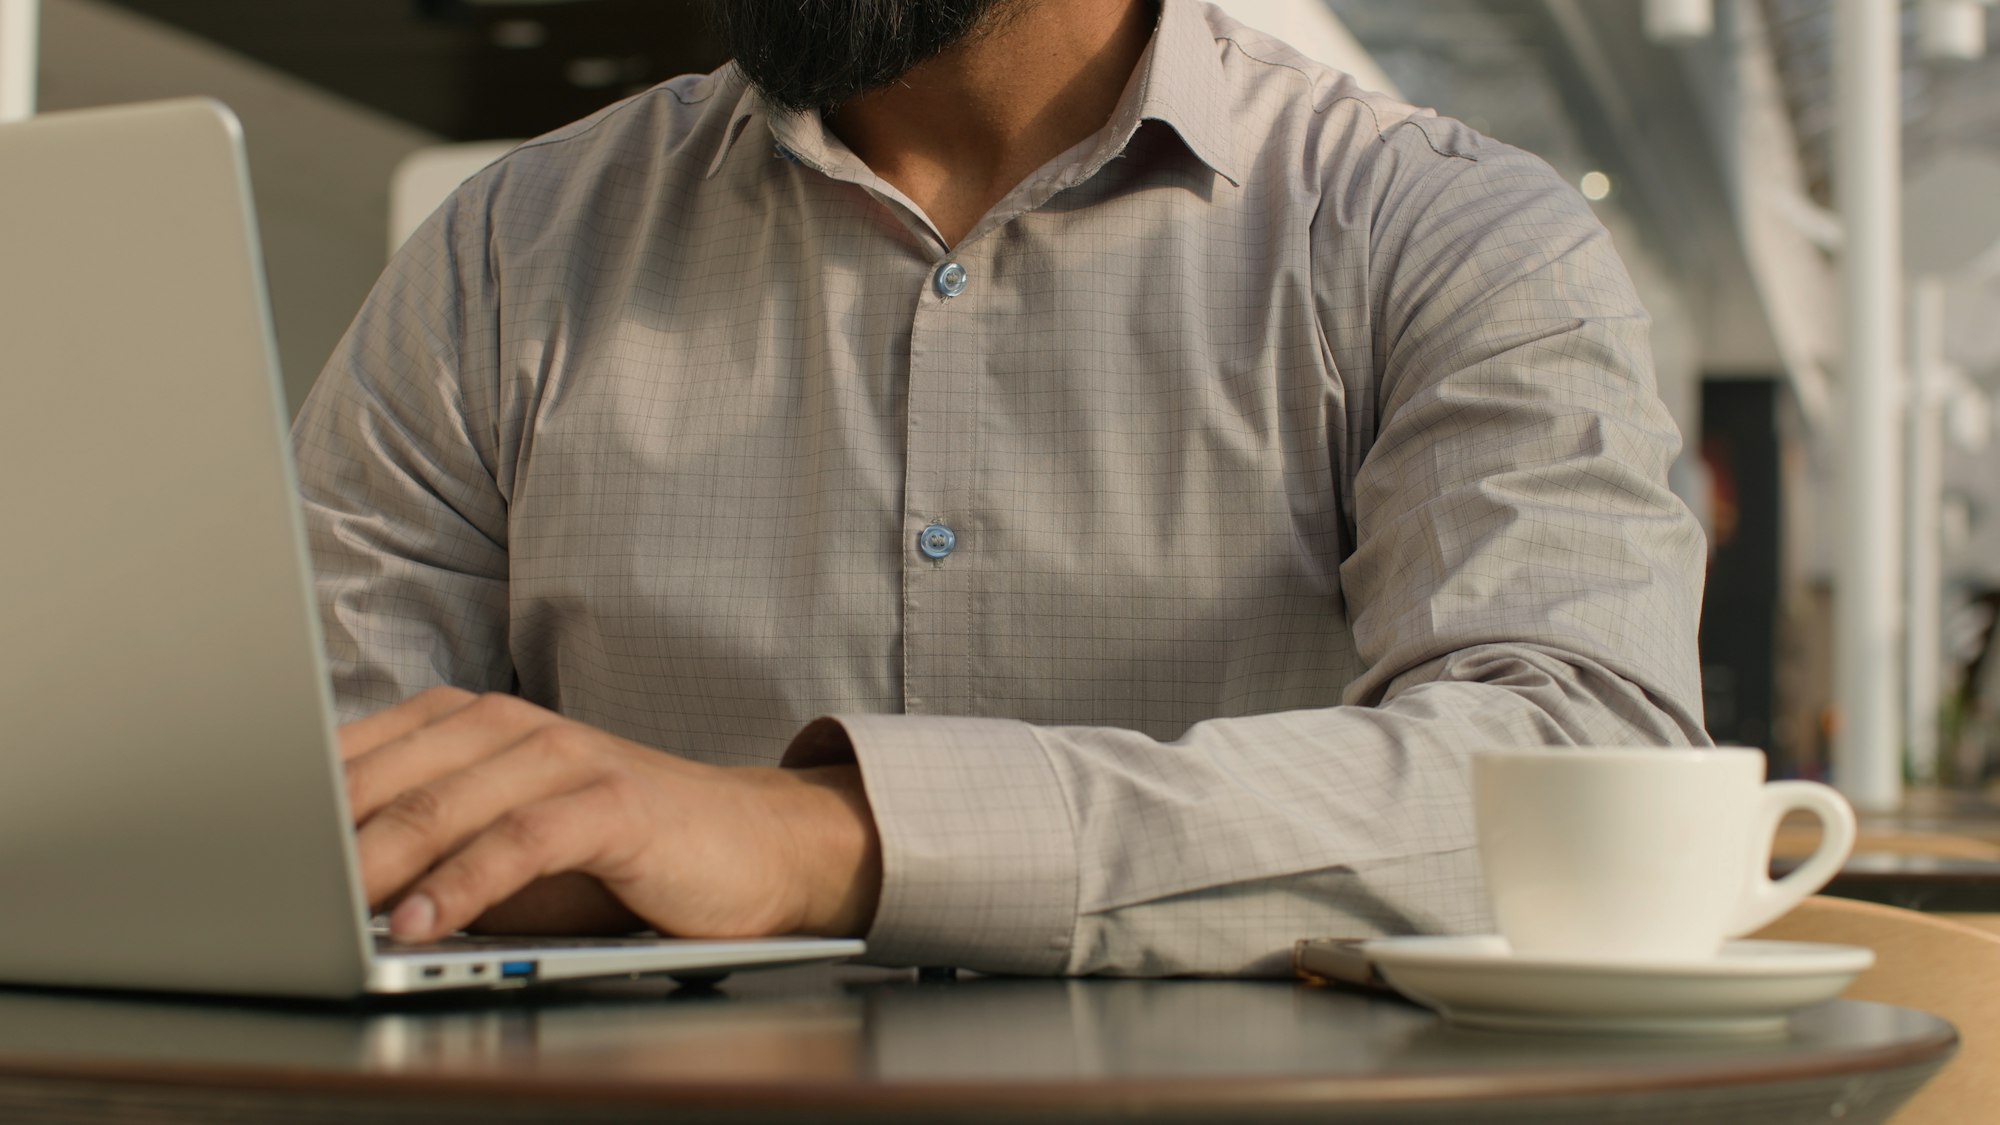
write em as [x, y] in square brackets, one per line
[418, 711]
[410, 834]
[564, 833]
[482, 728]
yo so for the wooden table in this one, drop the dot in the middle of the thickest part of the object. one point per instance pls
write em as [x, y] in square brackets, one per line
[852, 1045]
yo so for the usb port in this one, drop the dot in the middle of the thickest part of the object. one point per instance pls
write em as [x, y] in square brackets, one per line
[433, 972]
[515, 970]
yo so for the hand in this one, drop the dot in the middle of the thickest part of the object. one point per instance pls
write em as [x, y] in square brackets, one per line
[488, 807]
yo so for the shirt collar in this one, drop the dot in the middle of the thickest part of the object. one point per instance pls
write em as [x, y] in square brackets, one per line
[1182, 85]
[1180, 82]
[798, 136]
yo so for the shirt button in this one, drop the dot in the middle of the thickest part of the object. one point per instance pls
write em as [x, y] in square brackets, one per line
[950, 279]
[937, 541]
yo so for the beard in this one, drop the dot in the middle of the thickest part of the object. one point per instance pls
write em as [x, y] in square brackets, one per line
[817, 54]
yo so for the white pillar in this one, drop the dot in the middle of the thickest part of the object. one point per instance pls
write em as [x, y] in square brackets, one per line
[1924, 569]
[19, 40]
[1951, 29]
[1867, 762]
[1670, 21]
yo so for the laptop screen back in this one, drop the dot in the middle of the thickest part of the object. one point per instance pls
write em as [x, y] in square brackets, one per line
[170, 814]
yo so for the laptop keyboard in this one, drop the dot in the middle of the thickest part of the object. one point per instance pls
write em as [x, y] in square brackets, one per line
[500, 945]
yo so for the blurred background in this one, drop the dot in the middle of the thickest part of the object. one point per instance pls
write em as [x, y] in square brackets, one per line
[1807, 193]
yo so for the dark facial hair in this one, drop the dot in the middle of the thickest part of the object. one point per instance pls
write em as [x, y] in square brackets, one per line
[817, 54]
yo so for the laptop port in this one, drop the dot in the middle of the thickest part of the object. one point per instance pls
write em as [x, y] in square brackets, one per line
[433, 972]
[516, 970]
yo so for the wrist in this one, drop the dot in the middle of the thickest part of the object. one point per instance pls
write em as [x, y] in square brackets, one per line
[837, 850]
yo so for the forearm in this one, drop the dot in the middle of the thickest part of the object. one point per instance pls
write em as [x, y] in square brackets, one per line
[1088, 850]
[1349, 822]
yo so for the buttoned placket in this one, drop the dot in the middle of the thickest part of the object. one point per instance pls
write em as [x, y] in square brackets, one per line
[939, 567]
[941, 439]
[939, 550]
[942, 564]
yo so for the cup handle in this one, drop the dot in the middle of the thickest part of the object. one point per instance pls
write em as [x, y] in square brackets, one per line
[1767, 899]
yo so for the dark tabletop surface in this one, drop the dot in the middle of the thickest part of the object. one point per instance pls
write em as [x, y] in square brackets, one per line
[859, 1044]
[1916, 882]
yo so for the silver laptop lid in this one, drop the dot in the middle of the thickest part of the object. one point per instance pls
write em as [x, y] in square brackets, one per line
[171, 815]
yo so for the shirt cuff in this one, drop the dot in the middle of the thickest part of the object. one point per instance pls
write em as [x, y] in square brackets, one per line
[979, 865]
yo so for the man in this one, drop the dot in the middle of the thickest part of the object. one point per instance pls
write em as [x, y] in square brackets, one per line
[1164, 460]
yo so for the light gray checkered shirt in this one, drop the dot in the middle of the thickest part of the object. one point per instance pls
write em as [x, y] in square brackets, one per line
[1294, 443]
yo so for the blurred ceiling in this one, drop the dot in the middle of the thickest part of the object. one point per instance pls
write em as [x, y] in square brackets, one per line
[464, 69]
[481, 69]
[1573, 82]
[1946, 105]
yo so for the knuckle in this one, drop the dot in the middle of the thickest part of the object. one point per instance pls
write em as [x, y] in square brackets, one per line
[414, 810]
[560, 743]
[499, 712]
[527, 832]
[441, 695]
[623, 791]
[493, 705]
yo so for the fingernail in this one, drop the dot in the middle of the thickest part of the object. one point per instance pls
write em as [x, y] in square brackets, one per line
[413, 918]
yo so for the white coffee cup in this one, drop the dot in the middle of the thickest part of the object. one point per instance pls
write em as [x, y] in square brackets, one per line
[1642, 854]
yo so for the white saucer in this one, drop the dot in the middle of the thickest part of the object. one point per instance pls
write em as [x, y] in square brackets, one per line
[1746, 989]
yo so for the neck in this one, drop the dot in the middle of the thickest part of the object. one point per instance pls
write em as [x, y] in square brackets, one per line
[958, 132]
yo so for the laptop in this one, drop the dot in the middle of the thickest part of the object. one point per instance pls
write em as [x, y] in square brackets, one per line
[172, 814]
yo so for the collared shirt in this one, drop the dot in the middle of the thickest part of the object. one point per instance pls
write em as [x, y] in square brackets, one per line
[1164, 547]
